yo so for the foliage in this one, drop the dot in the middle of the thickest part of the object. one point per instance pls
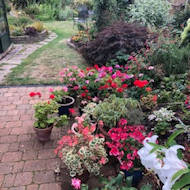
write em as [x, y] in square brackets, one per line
[46, 115]
[81, 150]
[65, 14]
[181, 17]
[20, 3]
[32, 9]
[162, 118]
[174, 60]
[88, 3]
[183, 177]
[147, 102]
[117, 183]
[31, 31]
[104, 13]
[150, 12]
[112, 109]
[120, 36]
[185, 35]
[38, 26]
[21, 21]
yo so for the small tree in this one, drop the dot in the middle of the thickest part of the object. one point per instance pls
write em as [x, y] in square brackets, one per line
[105, 12]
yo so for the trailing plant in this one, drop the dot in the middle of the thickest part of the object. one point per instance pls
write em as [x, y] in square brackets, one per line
[150, 12]
[81, 150]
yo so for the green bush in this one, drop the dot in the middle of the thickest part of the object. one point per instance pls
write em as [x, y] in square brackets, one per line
[174, 60]
[32, 10]
[150, 12]
[181, 17]
[22, 21]
[65, 14]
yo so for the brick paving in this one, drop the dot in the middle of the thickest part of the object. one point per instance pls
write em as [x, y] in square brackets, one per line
[25, 163]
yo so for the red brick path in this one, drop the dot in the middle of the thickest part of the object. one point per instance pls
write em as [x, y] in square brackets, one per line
[25, 163]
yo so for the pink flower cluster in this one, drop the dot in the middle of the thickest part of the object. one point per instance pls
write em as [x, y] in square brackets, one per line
[126, 141]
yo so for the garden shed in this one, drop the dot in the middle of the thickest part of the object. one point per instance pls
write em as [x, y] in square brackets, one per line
[4, 28]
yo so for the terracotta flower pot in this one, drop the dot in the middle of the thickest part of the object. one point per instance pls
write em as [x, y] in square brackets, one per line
[65, 105]
[43, 135]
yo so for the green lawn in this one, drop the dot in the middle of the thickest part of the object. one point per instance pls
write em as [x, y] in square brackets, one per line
[43, 66]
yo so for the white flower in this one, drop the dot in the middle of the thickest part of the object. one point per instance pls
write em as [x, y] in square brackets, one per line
[151, 117]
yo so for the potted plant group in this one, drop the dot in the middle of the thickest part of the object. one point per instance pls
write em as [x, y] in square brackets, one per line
[46, 118]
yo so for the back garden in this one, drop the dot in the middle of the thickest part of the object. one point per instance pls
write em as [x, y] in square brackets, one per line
[95, 95]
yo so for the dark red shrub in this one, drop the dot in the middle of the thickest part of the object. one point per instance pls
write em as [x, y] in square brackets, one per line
[31, 31]
[120, 36]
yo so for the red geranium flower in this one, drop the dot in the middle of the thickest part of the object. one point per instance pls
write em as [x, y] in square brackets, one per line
[72, 111]
[52, 96]
[39, 94]
[120, 90]
[148, 89]
[124, 86]
[114, 85]
[84, 87]
[140, 83]
[155, 98]
[32, 94]
[83, 95]
[96, 67]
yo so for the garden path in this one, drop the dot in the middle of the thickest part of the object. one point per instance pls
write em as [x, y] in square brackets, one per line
[25, 163]
[19, 52]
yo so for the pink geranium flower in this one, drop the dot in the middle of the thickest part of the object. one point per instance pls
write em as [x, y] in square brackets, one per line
[76, 183]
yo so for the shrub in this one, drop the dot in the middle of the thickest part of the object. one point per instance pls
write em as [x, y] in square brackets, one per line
[150, 12]
[65, 14]
[174, 60]
[22, 21]
[120, 36]
[185, 35]
[181, 17]
[32, 10]
[31, 31]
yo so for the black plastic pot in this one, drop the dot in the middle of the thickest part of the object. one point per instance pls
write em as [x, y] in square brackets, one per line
[65, 105]
[137, 176]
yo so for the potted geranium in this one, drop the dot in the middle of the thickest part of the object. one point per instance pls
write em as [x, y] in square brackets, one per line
[46, 118]
[81, 151]
[125, 142]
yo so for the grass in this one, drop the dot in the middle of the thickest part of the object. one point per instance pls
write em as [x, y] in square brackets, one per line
[43, 66]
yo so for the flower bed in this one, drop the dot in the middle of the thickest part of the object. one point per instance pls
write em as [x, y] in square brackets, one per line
[120, 110]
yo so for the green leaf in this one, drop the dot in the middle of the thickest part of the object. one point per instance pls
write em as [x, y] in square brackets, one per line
[173, 136]
[180, 173]
[155, 147]
[182, 182]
